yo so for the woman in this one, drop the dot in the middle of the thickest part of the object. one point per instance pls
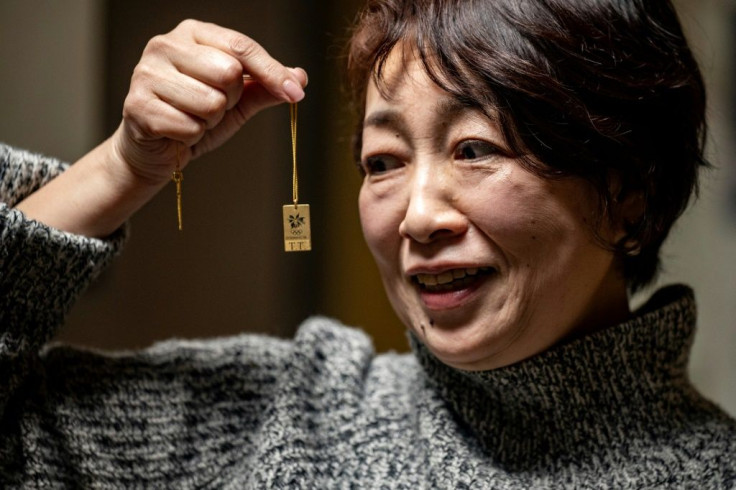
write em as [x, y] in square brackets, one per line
[523, 163]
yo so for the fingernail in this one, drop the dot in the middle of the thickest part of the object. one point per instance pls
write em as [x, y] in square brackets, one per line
[293, 90]
[297, 72]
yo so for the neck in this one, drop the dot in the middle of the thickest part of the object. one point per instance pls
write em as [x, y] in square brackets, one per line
[596, 390]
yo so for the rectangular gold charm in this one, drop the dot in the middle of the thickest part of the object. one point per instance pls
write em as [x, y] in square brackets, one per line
[297, 229]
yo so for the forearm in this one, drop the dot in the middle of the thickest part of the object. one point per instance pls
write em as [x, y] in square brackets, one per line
[94, 197]
[188, 95]
[42, 269]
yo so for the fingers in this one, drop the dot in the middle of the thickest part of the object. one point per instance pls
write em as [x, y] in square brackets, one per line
[255, 98]
[254, 60]
[195, 98]
[189, 88]
[208, 65]
[156, 120]
[198, 69]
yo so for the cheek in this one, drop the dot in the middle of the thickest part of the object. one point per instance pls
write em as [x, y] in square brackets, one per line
[529, 219]
[380, 217]
[380, 220]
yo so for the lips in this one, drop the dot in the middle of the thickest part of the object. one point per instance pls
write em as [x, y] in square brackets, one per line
[450, 280]
[450, 289]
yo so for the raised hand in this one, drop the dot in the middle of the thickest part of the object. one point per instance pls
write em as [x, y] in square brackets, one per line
[188, 90]
[192, 90]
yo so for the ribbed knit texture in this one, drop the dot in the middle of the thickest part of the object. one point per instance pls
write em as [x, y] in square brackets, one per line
[610, 410]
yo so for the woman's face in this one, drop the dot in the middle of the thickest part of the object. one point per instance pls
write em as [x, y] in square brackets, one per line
[486, 262]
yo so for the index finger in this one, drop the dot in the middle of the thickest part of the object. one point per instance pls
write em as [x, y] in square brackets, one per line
[255, 60]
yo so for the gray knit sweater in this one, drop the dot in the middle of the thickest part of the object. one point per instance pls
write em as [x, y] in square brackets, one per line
[611, 410]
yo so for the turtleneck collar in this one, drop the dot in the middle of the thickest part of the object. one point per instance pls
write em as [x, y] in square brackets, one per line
[595, 391]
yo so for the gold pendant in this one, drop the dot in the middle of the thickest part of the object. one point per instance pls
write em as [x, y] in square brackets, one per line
[297, 228]
[297, 225]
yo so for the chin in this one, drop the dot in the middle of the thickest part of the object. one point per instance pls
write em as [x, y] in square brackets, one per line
[457, 350]
[477, 347]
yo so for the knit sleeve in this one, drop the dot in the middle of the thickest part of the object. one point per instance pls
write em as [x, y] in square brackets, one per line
[42, 270]
[176, 415]
[237, 412]
[75, 417]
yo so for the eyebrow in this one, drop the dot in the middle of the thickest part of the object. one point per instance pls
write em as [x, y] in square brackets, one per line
[450, 108]
[447, 111]
[389, 119]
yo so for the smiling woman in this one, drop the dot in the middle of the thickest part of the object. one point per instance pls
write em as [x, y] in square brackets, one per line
[522, 163]
[443, 194]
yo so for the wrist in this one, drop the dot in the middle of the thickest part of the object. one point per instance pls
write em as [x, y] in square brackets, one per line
[94, 197]
[131, 164]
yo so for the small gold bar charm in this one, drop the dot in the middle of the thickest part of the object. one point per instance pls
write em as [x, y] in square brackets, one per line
[297, 228]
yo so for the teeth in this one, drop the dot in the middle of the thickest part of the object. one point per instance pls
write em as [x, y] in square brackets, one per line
[427, 279]
[448, 276]
[444, 278]
[458, 273]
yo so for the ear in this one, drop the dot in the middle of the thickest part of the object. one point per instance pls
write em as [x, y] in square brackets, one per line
[626, 214]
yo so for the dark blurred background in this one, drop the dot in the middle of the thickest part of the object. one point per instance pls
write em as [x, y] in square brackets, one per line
[65, 67]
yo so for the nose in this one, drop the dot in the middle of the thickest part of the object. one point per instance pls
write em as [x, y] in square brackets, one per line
[432, 212]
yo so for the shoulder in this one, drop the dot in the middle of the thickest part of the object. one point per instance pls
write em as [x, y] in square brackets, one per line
[319, 343]
[698, 446]
[327, 340]
[330, 353]
[710, 440]
[327, 348]
[178, 357]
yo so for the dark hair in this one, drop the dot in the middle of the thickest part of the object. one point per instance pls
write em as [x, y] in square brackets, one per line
[606, 90]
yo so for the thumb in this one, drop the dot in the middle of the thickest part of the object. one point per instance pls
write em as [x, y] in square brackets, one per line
[254, 99]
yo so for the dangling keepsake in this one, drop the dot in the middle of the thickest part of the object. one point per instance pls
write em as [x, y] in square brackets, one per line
[297, 225]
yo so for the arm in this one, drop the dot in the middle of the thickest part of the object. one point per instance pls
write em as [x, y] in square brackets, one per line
[42, 270]
[187, 96]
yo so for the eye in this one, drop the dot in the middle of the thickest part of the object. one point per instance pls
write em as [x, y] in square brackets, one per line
[474, 149]
[380, 164]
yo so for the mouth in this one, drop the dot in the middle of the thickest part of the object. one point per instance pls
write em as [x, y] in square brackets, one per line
[451, 280]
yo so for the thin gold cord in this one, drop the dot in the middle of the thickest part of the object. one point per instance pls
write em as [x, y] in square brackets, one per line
[295, 179]
[178, 177]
